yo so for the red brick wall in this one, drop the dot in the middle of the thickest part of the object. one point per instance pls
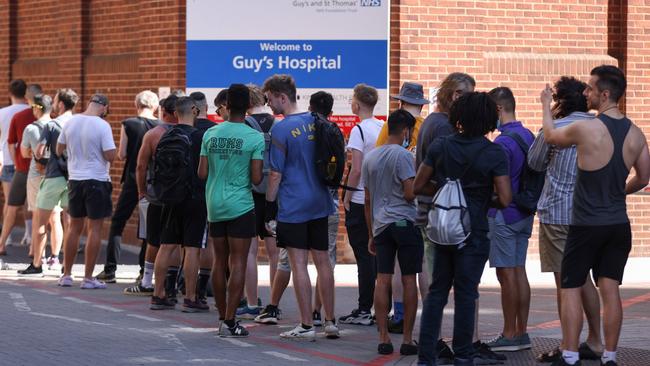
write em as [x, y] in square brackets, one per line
[121, 47]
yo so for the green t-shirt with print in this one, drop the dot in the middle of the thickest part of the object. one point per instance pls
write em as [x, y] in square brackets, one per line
[229, 148]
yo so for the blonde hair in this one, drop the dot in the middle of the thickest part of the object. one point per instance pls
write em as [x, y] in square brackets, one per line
[449, 86]
[257, 97]
[146, 99]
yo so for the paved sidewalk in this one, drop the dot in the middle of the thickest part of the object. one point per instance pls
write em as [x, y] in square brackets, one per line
[45, 324]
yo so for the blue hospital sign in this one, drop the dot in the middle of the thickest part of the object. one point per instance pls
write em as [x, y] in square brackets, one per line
[324, 44]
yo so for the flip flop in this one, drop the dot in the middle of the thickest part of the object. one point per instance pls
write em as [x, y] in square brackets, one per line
[586, 353]
[550, 356]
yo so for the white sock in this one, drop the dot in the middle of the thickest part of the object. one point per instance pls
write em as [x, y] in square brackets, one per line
[147, 277]
[608, 356]
[28, 229]
[570, 357]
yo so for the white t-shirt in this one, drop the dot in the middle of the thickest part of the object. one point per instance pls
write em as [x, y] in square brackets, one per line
[370, 128]
[86, 138]
[6, 114]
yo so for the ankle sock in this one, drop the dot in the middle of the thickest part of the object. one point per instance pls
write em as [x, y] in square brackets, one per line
[570, 357]
[398, 311]
[608, 356]
[229, 323]
[170, 281]
[147, 277]
[305, 326]
[202, 283]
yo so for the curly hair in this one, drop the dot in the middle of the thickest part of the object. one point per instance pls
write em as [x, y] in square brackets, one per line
[475, 112]
[568, 97]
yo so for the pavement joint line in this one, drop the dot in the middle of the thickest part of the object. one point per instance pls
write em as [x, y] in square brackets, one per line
[109, 308]
[236, 342]
[47, 292]
[144, 317]
[73, 320]
[77, 300]
[284, 356]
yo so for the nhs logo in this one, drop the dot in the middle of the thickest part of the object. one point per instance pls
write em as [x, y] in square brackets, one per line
[370, 2]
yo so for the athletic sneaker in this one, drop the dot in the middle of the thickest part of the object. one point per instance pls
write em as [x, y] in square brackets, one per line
[158, 303]
[92, 284]
[358, 317]
[53, 263]
[138, 290]
[190, 306]
[317, 319]
[235, 332]
[269, 315]
[485, 356]
[524, 341]
[107, 277]
[66, 281]
[331, 330]
[248, 312]
[502, 343]
[31, 271]
[221, 327]
[300, 333]
[445, 354]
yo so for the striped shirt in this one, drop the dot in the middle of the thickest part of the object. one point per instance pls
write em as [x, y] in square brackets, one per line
[555, 204]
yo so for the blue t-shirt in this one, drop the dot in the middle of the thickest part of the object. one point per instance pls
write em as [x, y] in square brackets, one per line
[302, 196]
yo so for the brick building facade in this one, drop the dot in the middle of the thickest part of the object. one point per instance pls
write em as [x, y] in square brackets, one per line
[122, 47]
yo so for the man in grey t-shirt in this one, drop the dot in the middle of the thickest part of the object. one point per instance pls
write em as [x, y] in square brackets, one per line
[388, 173]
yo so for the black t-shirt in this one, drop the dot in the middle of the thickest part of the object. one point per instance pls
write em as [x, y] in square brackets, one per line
[487, 159]
[135, 129]
[203, 124]
[196, 137]
[265, 120]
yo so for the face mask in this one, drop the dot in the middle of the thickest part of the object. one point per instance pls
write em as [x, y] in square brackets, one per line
[406, 142]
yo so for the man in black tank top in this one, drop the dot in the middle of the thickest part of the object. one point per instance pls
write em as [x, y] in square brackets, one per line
[599, 236]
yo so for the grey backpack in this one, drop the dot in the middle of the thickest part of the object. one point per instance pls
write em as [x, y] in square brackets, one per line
[252, 122]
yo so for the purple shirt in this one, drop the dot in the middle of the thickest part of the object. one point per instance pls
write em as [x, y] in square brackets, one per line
[516, 161]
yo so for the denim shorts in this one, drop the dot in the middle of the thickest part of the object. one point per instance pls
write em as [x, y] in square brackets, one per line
[7, 173]
[509, 242]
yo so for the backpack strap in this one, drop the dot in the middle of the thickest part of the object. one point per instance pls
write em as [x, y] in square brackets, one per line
[520, 141]
[361, 132]
[252, 122]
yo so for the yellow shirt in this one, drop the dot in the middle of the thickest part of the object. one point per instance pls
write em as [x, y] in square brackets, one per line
[383, 134]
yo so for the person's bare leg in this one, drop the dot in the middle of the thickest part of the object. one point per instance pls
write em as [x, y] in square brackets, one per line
[92, 246]
[6, 187]
[251, 274]
[72, 244]
[206, 256]
[39, 234]
[396, 288]
[325, 281]
[219, 267]
[301, 282]
[7, 225]
[523, 302]
[409, 284]
[382, 304]
[150, 254]
[591, 307]
[191, 270]
[571, 318]
[28, 216]
[423, 281]
[612, 311]
[509, 300]
[280, 283]
[272, 252]
[318, 304]
[56, 231]
[239, 249]
[161, 264]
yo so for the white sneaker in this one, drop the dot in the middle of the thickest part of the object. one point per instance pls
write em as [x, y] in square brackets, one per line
[331, 330]
[300, 333]
[92, 284]
[66, 281]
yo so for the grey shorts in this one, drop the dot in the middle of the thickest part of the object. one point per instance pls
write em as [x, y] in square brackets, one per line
[509, 242]
[7, 173]
[332, 233]
[18, 191]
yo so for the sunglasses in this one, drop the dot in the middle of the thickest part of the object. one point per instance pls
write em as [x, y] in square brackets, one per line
[219, 109]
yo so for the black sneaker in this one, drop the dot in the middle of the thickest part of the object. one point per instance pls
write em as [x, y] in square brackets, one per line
[31, 271]
[138, 290]
[158, 303]
[445, 354]
[396, 327]
[270, 315]
[106, 277]
[318, 321]
[485, 356]
[358, 317]
[235, 332]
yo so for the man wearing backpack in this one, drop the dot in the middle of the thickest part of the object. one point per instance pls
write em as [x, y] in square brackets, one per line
[510, 229]
[232, 156]
[362, 140]
[304, 204]
[481, 168]
[181, 192]
[88, 141]
[260, 120]
[52, 195]
[388, 173]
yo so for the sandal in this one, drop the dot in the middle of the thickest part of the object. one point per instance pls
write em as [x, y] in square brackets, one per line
[385, 348]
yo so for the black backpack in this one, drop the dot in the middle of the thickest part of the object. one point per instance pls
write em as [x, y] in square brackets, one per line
[330, 152]
[172, 176]
[266, 169]
[531, 181]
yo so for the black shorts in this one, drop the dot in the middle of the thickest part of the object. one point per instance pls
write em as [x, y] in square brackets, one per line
[90, 198]
[260, 214]
[312, 234]
[154, 224]
[601, 249]
[18, 189]
[239, 227]
[184, 223]
[403, 239]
